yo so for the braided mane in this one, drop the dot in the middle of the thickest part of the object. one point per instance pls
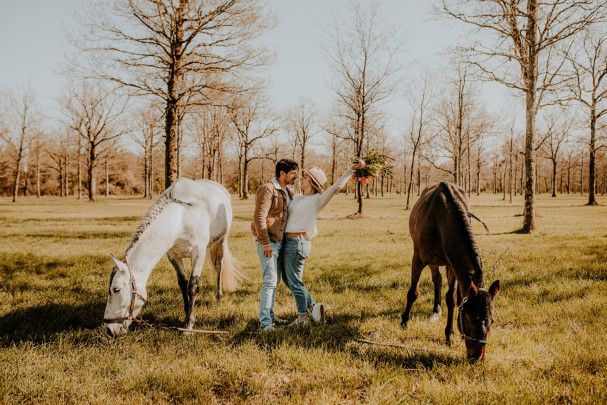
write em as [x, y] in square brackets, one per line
[464, 224]
[149, 217]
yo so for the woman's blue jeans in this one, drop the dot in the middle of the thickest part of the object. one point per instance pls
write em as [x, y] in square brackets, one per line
[295, 251]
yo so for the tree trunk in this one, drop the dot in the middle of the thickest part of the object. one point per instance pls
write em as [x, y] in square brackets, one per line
[582, 177]
[553, 177]
[107, 178]
[171, 159]
[38, 193]
[569, 177]
[17, 174]
[245, 174]
[91, 172]
[79, 171]
[531, 86]
[410, 179]
[591, 162]
[146, 173]
[151, 173]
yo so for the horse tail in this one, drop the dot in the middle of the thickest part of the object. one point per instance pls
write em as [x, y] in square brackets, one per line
[231, 269]
[478, 219]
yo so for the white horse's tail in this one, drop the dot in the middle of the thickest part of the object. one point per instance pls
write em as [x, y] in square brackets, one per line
[232, 273]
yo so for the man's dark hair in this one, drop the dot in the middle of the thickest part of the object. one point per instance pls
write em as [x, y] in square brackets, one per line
[285, 165]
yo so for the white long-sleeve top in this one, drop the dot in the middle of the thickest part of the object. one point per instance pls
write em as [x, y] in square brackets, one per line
[303, 209]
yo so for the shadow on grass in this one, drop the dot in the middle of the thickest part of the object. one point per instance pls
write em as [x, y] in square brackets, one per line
[43, 323]
[340, 334]
[12, 264]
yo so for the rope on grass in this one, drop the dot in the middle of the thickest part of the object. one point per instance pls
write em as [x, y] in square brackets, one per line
[369, 342]
[164, 327]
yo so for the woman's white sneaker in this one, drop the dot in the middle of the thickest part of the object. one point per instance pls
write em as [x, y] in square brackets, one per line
[318, 313]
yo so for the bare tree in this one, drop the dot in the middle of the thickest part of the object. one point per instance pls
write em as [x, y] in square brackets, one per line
[363, 60]
[146, 136]
[522, 56]
[589, 87]
[460, 122]
[176, 50]
[59, 151]
[335, 130]
[19, 132]
[210, 128]
[419, 100]
[302, 123]
[272, 150]
[93, 113]
[558, 126]
[251, 123]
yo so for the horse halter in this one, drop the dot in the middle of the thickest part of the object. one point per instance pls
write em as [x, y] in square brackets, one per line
[460, 324]
[134, 296]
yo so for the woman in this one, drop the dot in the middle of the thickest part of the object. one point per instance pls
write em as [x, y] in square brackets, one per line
[300, 228]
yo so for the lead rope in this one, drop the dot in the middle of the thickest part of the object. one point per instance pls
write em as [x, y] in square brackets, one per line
[143, 322]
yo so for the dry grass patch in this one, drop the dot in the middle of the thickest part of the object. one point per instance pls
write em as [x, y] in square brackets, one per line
[547, 345]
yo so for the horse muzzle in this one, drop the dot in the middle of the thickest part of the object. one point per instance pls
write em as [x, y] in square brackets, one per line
[116, 329]
[475, 351]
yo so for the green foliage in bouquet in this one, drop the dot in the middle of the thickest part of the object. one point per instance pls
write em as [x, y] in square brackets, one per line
[387, 171]
[375, 163]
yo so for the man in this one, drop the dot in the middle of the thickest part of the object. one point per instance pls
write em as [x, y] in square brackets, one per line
[268, 227]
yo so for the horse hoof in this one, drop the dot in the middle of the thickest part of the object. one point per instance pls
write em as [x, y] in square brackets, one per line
[435, 317]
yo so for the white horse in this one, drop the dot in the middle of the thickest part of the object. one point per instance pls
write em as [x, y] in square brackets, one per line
[190, 219]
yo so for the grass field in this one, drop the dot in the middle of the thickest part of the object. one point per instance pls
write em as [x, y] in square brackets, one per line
[548, 344]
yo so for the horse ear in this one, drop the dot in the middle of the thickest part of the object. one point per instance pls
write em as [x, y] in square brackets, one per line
[118, 263]
[472, 291]
[495, 288]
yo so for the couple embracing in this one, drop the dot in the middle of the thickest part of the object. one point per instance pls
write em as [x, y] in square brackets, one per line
[283, 225]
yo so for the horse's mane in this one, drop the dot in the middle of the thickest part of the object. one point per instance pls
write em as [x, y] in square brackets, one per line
[464, 224]
[149, 217]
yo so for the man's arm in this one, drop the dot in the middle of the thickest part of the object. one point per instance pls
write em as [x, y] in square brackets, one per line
[263, 202]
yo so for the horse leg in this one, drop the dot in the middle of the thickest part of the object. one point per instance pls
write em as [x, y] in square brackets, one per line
[182, 280]
[416, 270]
[197, 263]
[450, 299]
[437, 280]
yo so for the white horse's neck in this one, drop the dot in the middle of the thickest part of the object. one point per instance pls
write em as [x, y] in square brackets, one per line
[146, 253]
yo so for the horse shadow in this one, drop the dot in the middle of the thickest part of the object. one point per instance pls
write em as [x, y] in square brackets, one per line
[42, 323]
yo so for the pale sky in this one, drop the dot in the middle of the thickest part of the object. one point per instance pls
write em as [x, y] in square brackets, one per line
[33, 46]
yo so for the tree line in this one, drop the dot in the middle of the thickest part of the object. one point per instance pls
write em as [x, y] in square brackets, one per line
[161, 89]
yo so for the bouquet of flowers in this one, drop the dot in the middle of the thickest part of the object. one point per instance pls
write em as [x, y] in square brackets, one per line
[375, 163]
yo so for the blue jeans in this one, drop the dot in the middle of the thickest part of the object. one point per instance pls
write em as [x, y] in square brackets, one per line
[295, 251]
[272, 270]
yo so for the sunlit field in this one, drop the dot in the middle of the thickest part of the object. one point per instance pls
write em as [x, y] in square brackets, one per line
[548, 344]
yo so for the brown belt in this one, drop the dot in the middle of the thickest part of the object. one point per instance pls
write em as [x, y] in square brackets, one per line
[296, 234]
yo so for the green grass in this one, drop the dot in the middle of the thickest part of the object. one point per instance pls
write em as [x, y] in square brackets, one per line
[547, 346]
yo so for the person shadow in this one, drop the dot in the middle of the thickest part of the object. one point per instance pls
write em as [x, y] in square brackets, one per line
[340, 334]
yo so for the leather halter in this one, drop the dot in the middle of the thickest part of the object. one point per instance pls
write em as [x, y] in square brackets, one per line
[460, 324]
[134, 296]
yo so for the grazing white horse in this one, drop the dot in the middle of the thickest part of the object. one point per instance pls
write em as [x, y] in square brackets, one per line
[190, 219]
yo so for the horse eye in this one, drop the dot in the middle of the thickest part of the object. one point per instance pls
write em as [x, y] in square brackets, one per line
[116, 289]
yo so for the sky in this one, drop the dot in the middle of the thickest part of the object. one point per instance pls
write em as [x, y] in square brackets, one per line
[33, 48]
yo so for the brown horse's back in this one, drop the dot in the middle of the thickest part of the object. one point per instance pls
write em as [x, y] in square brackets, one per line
[440, 227]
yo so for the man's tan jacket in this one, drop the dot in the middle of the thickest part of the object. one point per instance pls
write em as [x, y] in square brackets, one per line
[270, 216]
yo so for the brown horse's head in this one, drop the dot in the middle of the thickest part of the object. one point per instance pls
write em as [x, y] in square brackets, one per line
[475, 318]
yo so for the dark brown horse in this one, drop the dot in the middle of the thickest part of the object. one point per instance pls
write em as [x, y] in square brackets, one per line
[442, 236]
